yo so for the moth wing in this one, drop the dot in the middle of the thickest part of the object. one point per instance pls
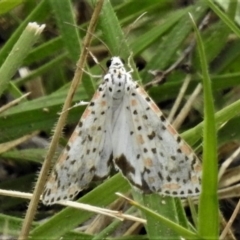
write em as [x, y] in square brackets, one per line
[87, 155]
[148, 150]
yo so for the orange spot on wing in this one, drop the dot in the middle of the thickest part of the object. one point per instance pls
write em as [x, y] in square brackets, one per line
[171, 129]
[142, 91]
[140, 139]
[186, 149]
[148, 162]
[197, 168]
[96, 95]
[86, 113]
[73, 189]
[62, 158]
[194, 179]
[172, 186]
[73, 137]
[155, 107]
[133, 102]
[103, 103]
[52, 179]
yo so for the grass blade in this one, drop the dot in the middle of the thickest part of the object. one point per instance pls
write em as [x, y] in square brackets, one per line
[208, 207]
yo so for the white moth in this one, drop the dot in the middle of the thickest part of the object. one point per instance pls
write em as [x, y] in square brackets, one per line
[123, 127]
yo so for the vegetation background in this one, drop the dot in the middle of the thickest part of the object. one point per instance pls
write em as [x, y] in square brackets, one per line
[162, 40]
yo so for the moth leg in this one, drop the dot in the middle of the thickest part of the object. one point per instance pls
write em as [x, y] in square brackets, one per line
[91, 75]
[129, 63]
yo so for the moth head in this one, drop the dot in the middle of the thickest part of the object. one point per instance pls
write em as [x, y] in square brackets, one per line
[115, 62]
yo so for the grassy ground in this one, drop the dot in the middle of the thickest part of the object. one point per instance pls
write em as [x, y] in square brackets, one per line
[204, 62]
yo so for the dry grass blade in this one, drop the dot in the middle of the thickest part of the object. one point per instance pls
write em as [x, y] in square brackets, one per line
[230, 222]
[61, 121]
[179, 98]
[230, 177]
[13, 103]
[107, 212]
[185, 110]
[102, 221]
[226, 163]
[11, 144]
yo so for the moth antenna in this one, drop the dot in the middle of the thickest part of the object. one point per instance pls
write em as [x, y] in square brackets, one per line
[95, 60]
[129, 63]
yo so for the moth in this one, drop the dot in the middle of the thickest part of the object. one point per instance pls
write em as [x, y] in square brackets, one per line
[123, 128]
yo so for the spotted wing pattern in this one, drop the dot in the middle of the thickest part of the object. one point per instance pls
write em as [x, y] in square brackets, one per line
[124, 127]
[87, 155]
[149, 152]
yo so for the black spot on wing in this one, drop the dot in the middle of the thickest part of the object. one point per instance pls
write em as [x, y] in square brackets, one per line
[194, 160]
[135, 112]
[162, 118]
[73, 162]
[124, 165]
[179, 150]
[197, 190]
[97, 177]
[145, 188]
[55, 174]
[154, 150]
[90, 138]
[169, 179]
[151, 135]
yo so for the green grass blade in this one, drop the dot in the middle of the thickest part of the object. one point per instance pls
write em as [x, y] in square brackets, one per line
[208, 205]
[66, 23]
[64, 14]
[103, 195]
[113, 35]
[12, 226]
[44, 50]
[173, 41]
[194, 134]
[40, 12]
[227, 20]
[6, 5]
[111, 27]
[164, 206]
[18, 53]
[159, 218]
[154, 34]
